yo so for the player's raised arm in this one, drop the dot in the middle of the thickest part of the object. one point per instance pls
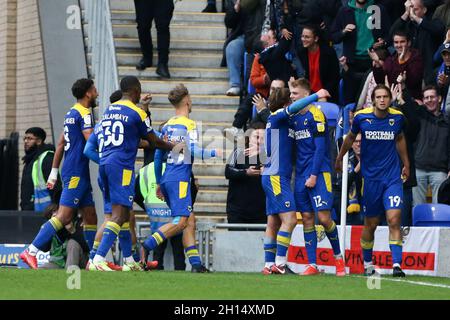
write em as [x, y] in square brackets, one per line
[304, 102]
[91, 149]
[59, 151]
[403, 153]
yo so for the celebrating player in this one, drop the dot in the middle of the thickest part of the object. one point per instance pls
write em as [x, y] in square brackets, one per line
[276, 179]
[174, 185]
[124, 124]
[313, 193]
[382, 143]
[77, 190]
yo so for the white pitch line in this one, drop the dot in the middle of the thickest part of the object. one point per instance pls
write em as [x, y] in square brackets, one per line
[419, 283]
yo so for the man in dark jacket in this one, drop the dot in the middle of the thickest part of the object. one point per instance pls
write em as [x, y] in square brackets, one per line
[426, 34]
[246, 201]
[35, 147]
[359, 26]
[432, 148]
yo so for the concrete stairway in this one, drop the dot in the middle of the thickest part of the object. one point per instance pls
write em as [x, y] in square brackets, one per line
[195, 55]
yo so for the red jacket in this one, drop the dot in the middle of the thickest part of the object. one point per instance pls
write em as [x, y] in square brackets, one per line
[257, 78]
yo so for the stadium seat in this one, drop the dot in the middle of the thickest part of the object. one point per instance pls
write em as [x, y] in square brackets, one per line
[431, 215]
[330, 110]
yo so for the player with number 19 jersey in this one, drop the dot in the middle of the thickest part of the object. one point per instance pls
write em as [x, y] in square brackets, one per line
[123, 125]
[77, 190]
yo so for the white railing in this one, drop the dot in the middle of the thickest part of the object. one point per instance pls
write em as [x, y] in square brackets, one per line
[103, 53]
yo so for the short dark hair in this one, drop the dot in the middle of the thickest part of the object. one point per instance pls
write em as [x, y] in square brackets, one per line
[115, 96]
[315, 30]
[256, 125]
[37, 132]
[379, 87]
[177, 94]
[431, 87]
[81, 87]
[129, 83]
[401, 33]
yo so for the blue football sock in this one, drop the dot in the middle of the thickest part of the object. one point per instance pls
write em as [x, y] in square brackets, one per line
[283, 241]
[311, 244]
[110, 233]
[48, 230]
[193, 256]
[396, 247]
[333, 237]
[270, 249]
[89, 234]
[93, 252]
[136, 254]
[367, 249]
[154, 240]
[125, 240]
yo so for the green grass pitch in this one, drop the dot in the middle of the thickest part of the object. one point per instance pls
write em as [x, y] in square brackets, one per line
[52, 284]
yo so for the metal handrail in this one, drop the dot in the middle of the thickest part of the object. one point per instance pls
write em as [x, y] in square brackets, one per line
[103, 53]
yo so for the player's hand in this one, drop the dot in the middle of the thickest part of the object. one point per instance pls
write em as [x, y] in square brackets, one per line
[338, 165]
[285, 33]
[159, 193]
[311, 182]
[380, 42]
[323, 94]
[349, 28]
[405, 174]
[253, 171]
[145, 101]
[53, 176]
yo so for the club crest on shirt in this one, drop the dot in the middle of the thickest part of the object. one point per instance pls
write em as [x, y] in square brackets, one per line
[391, 122]
[305, 122]
[76, 200]
[130, 198]
[287, 204]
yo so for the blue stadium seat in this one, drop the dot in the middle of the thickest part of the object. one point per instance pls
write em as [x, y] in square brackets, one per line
[431, 215]
[330, 110]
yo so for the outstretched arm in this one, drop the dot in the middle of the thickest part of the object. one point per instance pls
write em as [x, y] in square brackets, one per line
[403, 153]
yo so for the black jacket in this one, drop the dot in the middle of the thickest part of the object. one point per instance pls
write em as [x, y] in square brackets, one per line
[432, 147]
[345, 16]
[329, 69]
[426, 37]
[274, 61]
[246, 200]
[27, 187]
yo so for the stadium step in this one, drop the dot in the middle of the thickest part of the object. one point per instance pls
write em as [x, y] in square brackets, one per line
[194, 87]
[198, 114]
[177, 73]
[133, 43]
[180, 5]
[178, 17]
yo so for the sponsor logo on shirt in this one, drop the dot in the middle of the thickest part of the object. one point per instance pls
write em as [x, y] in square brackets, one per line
[379, 135]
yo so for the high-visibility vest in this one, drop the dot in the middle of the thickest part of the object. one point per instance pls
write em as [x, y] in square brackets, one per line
[157, 210]
[41, 194]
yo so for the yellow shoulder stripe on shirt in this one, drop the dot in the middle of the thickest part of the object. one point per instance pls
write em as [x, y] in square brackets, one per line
[365, 111]
[317, 114]
[82, 110]
[394, 111]
[188, 123]
[132, 106]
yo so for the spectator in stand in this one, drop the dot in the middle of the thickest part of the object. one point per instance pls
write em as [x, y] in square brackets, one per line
[261, 104]
[443, 79]
[443, 13]
[357, 28]
[320, 62]
[365, 95]
[162, 12]
[425, 33]
[432, 154]
[354, 216]
[235, 19]
[274, 60]
[405, 59]
[260, 80]
[246, 202]
[210, 6]
[34, 195]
